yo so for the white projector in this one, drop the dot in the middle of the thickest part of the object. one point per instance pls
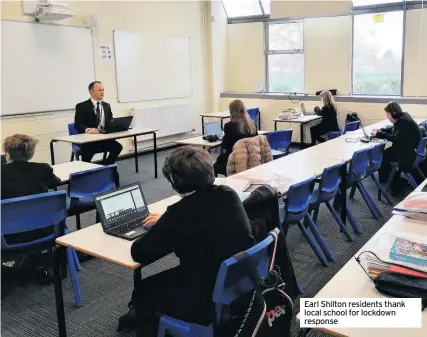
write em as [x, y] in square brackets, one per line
[51, 11]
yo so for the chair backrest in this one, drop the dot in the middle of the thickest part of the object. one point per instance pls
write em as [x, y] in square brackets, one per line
[330, 179]
[233, 281]
[351, 126]
[72, 130]
[84, 184]
[23, 214]
[359, 164]
[421, 151]
[253, 114]
[280, 139]
[299, 196]
[376, 156]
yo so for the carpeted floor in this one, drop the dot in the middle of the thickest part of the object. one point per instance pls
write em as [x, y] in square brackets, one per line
[105, 288]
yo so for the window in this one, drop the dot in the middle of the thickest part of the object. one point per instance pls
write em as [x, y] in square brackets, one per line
[377, 53]
[285, 57]
[245, 8]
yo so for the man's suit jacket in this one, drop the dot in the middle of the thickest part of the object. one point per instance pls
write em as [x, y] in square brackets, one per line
[21, 178]
[85, 116]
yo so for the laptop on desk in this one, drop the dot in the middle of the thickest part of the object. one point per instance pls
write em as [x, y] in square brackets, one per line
[304, 111]
[119, 124]
[123, 211]
[213, 129]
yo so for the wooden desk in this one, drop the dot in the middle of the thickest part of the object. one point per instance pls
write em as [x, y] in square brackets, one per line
[63, 170]
[302, 121]
[224, 115]
[84, 138]
[364, 287]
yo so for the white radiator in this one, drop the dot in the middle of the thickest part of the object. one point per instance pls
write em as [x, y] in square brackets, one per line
[169, 120]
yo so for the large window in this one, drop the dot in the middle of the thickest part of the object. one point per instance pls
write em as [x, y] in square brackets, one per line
[377, 53]
[285, 57]
[246, 8]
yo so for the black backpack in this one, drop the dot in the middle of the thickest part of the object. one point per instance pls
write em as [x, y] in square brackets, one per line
[352, 117]
[269, 313]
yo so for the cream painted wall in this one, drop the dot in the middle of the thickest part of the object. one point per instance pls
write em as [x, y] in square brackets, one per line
[158, 17]
[306, 8]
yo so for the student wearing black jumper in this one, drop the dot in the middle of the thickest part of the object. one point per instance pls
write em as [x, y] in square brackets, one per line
[405, 136]
[329, 121]
[207, 226]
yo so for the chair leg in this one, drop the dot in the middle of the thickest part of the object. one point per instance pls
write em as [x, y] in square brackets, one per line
[368, 200]
[74, 280]
[78, 224]
[319, 238]
[420, 173]
[316, 212]
[390, 177]
[382, 190]
[353, 222]
[352, 192]
[411, 180]
[338, 220]
[76, 260]
[313, 244]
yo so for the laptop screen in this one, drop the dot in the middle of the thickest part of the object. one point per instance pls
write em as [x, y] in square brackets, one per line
[213, 128]
[125, 202]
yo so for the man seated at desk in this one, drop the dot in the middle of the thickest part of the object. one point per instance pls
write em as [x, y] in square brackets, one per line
[405, 136]
[93, 116]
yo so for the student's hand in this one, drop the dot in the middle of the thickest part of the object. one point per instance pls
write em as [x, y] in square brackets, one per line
[92, 131]
[151, 220]
[374, 132]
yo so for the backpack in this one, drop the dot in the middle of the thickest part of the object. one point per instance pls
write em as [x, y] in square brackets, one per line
[269, 313]
[352, 117]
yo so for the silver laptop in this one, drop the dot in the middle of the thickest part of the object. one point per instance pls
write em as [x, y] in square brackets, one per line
[213, 129]
[304, 111]
[123, 211]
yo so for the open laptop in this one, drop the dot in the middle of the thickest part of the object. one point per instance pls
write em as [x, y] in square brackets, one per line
[122, 211]
[304, 111]
[119, 124]
[213, 128]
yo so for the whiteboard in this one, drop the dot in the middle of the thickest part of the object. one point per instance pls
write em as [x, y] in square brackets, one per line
[44, 67]
[150, 67]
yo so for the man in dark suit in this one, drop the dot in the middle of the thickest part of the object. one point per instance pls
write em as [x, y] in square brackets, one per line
[92, 117]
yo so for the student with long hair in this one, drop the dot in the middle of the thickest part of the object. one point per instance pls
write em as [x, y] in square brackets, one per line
[240, 126]
[329, 121]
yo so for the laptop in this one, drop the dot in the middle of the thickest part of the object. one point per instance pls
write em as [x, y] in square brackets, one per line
[304, 111]
[122, 211]
[212, 129]
[119, 124]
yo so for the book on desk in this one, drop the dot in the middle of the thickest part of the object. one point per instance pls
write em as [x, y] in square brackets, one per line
[414, 206]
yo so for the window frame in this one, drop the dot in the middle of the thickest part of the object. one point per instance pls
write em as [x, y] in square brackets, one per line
[268, 51]
[263, 15]
[375, 9]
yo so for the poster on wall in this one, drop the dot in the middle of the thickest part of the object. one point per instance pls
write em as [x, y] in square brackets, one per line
[105, 52]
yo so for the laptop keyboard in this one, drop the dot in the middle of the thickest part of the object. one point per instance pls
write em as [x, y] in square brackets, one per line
[130, 225]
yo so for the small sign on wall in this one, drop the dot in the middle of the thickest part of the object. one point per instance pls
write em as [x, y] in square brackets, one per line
[105, 52]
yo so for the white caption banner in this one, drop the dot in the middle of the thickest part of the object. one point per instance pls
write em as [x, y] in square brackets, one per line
[360, 312]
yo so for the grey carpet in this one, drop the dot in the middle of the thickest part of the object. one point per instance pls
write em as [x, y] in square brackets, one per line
[105, 288]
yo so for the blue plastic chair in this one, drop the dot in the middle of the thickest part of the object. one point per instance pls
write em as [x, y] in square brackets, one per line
[231, 283]
[83, 185]
[350, 126]
[421, 156]
[36, 212]
[280, 140]
[75, 149]
[358, 171]
[328, 189]
[296, 209]
[254, 115]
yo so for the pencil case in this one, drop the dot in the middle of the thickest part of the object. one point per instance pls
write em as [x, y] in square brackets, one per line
[402, 286]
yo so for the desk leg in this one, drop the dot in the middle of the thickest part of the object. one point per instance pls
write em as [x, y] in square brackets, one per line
[52, 154]
[222, 124]
[275, 125]
[343, 193]
[155, 154]
[301, 128]
[259, 120]
[135, 147]
[203, 123]
[58, 257]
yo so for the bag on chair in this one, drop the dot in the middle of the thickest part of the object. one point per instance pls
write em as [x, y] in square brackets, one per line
[269, 313]
[352, 117]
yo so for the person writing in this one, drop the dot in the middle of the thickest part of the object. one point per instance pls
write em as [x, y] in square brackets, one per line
[19, 177]
[405, 136]
[240, 126]
[200, 236]
[93, 116]
[329, 118]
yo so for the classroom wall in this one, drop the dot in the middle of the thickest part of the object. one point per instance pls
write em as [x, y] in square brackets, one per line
[158, 17]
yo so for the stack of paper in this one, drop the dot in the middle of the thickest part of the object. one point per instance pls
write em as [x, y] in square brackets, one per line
[414, 206]
[239, 185]
[280, 183]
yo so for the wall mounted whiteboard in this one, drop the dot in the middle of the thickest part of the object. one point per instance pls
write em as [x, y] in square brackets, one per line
[150, 67]
[44, 67]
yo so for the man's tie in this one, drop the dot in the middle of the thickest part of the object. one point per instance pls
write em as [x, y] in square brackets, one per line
[98, 114]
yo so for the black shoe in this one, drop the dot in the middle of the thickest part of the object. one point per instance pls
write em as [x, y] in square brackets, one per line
[128, 321]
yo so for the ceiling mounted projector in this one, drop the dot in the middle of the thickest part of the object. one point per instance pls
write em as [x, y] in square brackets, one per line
[46, 10]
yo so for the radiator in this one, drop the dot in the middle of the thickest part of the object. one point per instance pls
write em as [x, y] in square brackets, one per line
[169, 120]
